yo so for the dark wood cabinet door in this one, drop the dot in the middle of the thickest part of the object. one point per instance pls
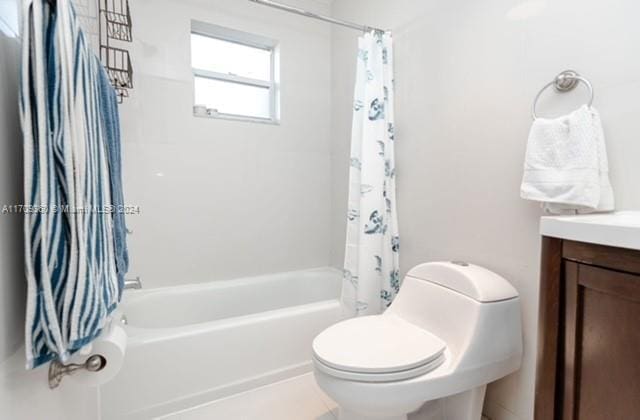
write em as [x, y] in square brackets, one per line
[600, 358]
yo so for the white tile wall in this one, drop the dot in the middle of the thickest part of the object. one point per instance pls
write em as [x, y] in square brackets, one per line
[466, 73]
[224, 199]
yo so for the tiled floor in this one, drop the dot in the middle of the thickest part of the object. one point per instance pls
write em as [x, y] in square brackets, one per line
[297, 398]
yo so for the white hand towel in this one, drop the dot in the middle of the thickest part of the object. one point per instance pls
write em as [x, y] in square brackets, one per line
[566, 166]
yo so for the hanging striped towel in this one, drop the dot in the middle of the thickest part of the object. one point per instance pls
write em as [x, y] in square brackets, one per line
[75, 253]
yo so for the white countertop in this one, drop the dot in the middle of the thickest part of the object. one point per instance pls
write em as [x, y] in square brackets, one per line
[619, 229]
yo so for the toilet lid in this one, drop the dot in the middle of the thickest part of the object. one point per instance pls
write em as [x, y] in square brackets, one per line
[377, 344]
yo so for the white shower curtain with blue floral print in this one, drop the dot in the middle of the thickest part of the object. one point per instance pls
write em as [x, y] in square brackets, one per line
[371, 275]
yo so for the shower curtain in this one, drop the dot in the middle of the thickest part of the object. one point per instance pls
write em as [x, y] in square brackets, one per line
[371, 275]
[75, 250]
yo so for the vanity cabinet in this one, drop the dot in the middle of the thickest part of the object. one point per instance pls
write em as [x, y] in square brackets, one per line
[588, 365]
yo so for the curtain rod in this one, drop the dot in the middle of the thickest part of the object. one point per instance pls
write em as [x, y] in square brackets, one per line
[302, 12]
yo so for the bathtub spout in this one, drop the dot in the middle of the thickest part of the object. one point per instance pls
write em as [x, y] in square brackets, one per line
[133, 283]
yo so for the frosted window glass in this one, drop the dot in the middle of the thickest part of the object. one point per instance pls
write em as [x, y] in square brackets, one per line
[230, 58]
[233, 98]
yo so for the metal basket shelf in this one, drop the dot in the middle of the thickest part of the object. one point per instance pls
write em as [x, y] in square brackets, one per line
[116, 25]
[118, 64]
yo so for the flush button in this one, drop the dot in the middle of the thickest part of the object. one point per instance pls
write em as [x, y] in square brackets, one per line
[460, 263]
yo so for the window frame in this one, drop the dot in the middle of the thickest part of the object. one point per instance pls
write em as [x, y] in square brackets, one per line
[248, 40]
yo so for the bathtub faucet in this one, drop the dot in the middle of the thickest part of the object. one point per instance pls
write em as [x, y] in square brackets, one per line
[133, 283]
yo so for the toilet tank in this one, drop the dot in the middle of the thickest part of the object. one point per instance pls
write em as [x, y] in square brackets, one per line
[469, 307]
[473, 281]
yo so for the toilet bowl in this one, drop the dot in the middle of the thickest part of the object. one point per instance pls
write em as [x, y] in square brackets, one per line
[452, 329]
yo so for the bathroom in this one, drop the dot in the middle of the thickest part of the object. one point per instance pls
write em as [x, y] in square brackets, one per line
[236, 226]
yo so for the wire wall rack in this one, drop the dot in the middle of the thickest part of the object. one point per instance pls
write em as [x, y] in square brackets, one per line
[118, 20]
[115, 28]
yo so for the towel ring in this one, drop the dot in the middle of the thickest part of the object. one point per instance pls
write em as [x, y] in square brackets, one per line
[564, 82]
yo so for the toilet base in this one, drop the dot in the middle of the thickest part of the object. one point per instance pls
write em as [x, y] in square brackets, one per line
[463, 406]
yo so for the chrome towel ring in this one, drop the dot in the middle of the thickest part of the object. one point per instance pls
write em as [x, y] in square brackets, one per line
[564, 82]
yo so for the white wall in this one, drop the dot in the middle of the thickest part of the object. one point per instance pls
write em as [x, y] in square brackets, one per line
[466, 73]
[224, 199]
[12, 282]
[25, 395]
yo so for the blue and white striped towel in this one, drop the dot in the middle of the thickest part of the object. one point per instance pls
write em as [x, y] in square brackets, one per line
[75, 253]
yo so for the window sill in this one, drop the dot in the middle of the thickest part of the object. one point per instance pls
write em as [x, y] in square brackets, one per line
[240, 118]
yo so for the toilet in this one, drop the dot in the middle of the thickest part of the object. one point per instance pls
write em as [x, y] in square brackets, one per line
[452, 329]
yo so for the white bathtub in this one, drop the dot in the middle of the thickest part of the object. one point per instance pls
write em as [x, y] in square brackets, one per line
[193, 344]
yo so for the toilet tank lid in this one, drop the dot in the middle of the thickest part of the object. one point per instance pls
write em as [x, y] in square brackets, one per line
[471, 280]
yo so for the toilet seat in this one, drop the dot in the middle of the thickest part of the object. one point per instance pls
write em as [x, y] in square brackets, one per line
[380, 377]
[377, 349]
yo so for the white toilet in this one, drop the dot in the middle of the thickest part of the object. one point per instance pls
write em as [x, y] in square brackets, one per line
[452, 329]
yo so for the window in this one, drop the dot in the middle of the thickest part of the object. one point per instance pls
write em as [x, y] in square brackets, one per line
[234, 73]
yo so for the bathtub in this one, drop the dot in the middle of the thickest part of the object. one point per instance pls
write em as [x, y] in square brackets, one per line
[188, 345]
